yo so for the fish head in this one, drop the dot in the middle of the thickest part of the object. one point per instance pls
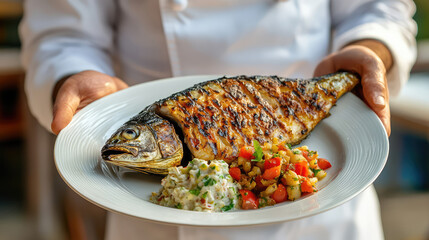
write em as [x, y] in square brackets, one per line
[131, 143]
[149, 147]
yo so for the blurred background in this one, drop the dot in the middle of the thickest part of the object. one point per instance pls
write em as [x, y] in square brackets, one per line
[36, 204]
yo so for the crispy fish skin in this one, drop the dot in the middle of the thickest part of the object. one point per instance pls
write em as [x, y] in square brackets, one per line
[218, 117]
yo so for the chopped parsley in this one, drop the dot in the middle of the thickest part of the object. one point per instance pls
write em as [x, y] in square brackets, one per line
[258, 154]
[196, 191]
[198, 173]
[262, 202]
[179, 206]
[204, 195]
[276, 155]
[315, 171]
[208, 181]
[296, 152]
[311, 153]
[228, 207]
[289, 146]
[213, 167]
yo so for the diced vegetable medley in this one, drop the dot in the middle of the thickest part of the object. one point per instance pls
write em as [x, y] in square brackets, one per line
[274, 173]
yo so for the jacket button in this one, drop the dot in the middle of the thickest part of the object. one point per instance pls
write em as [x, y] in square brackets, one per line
[179, 5]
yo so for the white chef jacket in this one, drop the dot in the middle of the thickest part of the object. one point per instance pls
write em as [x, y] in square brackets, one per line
[143, 40]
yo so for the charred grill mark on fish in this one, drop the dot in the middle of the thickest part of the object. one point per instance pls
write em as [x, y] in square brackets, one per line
[232, 96]
[217, 117]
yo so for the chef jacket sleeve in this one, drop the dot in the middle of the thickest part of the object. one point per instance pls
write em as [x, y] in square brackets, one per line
[60, 38]
[388, 21]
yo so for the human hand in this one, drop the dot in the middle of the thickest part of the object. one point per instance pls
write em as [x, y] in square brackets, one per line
[372, 70]
[79, 90]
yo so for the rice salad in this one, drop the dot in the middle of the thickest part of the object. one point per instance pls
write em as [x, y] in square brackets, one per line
[201, 186]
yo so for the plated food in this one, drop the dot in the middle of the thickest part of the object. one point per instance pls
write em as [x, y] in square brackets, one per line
[201, 186]
[215, 119]
[274, 173]
[261, 176]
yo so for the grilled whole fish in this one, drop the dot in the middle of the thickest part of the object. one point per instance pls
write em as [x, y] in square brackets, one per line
[216, 118]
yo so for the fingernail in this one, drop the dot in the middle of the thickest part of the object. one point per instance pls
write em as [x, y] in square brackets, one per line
[380, 101]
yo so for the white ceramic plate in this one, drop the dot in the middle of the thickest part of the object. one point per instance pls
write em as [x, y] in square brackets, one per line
[352, 138]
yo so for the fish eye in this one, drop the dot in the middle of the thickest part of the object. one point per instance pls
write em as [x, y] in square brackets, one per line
[130, 134]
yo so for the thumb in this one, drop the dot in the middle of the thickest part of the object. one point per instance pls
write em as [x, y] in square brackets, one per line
[326, 66]
[65, 107]
[119, 83]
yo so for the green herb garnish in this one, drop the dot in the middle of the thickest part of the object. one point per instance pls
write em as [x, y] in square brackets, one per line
[229, 207]
[289, 146]
[179, 206]
[258, 154]
[196, 191]
[198, 173]
[311, 153]
[208, 181]
[263, 202]
[204, 195]
[315, 171]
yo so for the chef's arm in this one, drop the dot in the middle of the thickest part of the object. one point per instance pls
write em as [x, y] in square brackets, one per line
[374, 38]
[61, 38]
[387, 21]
